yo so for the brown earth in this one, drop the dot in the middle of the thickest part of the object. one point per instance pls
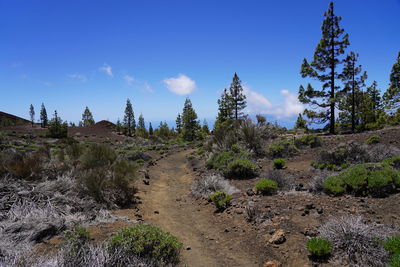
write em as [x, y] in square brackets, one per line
[209, 238]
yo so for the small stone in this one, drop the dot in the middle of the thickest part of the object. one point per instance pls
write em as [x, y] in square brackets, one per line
[320, 211]
[272, 264]
[146, 182]
[250, 192]
[278, 237]
[226, 230]
[188, 248]
[156, 212]
[239, 211]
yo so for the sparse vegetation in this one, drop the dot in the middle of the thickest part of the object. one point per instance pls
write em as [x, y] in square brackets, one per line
[279, 164]
[148, 241]
[266, 186]
[205, 186]
[372, 140]
[282, 149]
[221, 199]
[319, 247]
[241, 169]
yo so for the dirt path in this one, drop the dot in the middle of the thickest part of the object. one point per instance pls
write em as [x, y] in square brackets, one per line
[209, 239]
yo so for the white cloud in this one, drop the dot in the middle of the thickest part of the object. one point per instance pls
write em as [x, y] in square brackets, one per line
[106, 69]
[181, 85]
[129, 80]
[46, 83]
[259, 104]
[78, 77]
[256, 102]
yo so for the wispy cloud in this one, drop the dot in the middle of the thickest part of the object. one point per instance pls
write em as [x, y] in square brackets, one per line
[147, 88]
[76, 76]
[259, 104]
[180, 85]
[129, 80]
[47, 83]
[106, 69]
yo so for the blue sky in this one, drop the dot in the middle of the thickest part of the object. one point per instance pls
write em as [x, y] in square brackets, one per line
[69, 54]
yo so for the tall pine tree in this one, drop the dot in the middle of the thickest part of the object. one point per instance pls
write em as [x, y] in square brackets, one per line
[43, 116]
[141, 128]
[324, 68]
[392, 95]
[178, 123]
[151, 131]
[372, 110]
[236, 97]
[32, 114]
[129, 119]
[224, 108]
[190, 125]
[352, 97]
[87, 118]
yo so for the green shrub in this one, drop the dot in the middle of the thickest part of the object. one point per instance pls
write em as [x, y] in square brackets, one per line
[392, 245]
[266, 186]
[372, 140]
[376, 179]
[148, 241]
[334, 185]
[241, 169]
[74, 151]
[279, 164]
[395, 261]
[57, 128]
[393, 162]
[24, 165]
[98, 156]
[221, 160]
[76, 245]
[319, 247]
[282, 149]
[221, 200]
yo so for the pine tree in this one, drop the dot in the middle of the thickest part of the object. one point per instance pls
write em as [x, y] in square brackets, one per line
[43, 116]
[57, 128]
[118, 126]
[190, 125]
[372, 109]
[224, 108]
[129, 119]
[236, 97]
[205, 128]
[178, 123]
[324, 68]
[301, 123]
[352, 97]
[392, 95]
[87, 117]
[141, 128]
[151, 131]
[32, 114]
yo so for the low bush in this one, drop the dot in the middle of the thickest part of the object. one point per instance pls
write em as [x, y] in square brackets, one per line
[24, 165]
[279, 164]
[375, 179]
[283, 180]
[74, 151]
[392, 245]
[395, 261]
[98, 156]
[110, 185]
[221, 199]
[319, 247]
[266, 186]
[356, 243]
[282, 149]
[308, 141]
[372, 140]
[334, 185]
[205, 186]
[220, 161]
[393, 162]
[148, 241]
[241, 169]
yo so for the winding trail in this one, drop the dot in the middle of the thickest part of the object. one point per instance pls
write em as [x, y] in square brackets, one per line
[167, 203]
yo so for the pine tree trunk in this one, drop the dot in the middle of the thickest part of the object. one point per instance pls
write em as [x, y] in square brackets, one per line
[332, 117]
[353, 108]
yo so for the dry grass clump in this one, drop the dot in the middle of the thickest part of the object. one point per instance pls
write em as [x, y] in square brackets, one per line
[211, 183]
[355, 242]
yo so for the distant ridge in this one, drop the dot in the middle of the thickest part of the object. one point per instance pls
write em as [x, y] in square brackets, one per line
[7, 119]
